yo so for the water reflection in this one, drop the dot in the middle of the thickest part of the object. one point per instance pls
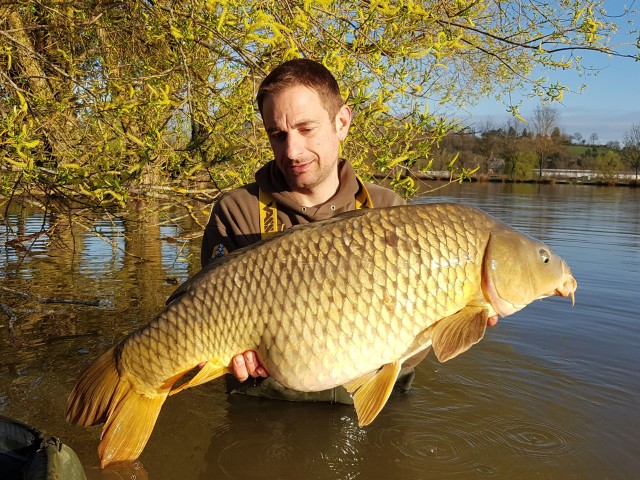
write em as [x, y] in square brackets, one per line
[286, 440]
[102, 250]
[550, 392]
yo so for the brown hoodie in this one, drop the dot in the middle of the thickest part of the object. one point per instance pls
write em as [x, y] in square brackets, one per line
[235, 220]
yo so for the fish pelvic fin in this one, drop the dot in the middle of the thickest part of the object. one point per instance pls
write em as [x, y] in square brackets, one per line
[371, 391]
[209, 371]
[418, 349]
[103, 395]
[455, 334]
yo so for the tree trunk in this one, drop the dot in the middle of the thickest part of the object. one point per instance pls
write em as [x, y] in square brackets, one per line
[55, 124]
[26, 57]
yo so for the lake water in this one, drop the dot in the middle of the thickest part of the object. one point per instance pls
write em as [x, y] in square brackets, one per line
[551, 392]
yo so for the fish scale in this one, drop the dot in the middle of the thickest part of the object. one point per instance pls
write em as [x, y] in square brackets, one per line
[339, 302]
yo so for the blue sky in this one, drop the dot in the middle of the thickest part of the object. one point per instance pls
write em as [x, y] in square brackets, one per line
[608, 106]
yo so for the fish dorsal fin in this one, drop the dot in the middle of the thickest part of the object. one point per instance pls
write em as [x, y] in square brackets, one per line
[457, 333]
[371, 391]
[209, 371]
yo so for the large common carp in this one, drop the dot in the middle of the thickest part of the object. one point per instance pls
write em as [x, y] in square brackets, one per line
[339, 302]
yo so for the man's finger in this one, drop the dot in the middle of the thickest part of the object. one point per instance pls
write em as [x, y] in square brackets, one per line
[239, 368]
[250, 362]
[254, 368]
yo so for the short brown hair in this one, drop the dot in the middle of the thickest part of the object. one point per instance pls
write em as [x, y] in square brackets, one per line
[302, 71]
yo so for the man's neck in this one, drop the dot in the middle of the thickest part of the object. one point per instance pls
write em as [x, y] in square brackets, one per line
[316, 196]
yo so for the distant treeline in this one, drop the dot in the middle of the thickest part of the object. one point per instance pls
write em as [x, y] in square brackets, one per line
[522, 155]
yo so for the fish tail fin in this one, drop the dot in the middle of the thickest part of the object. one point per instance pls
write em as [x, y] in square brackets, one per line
[129, 426]
[103, 395]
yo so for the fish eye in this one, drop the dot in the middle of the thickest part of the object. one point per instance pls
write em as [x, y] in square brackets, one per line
[544, 255]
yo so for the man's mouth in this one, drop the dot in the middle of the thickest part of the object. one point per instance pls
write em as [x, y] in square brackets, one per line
[299, 168]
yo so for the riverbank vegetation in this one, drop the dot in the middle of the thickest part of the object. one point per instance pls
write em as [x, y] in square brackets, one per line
[513, 152]
[103, 100]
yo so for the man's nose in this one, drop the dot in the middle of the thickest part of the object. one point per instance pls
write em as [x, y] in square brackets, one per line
[294, 145]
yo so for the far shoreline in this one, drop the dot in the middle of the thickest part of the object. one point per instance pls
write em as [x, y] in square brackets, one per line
[550, 177]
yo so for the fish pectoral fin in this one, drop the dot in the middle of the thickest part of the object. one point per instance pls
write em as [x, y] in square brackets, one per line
[209, 371]
[371, 391]
[457, 333]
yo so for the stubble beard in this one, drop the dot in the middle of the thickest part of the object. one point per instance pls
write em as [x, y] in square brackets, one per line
[310, 179]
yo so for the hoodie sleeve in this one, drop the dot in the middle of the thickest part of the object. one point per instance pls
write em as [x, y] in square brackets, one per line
[234, 223]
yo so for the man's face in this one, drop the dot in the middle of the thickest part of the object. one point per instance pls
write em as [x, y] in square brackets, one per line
[304, 139]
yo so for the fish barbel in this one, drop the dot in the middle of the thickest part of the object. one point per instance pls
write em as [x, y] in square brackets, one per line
[339, 302]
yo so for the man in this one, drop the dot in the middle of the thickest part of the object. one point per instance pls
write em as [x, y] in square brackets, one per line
[306, 119]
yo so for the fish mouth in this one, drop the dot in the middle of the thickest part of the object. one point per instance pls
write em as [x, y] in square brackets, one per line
[568, 287]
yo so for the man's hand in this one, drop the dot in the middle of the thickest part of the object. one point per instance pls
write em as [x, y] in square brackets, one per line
[247, 364]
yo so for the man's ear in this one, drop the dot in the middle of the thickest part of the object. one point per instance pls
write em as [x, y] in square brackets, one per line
[343, 120]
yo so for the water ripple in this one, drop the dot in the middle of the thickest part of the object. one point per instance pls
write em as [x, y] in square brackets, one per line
[533, 440]
[447, 450]
[536, 440]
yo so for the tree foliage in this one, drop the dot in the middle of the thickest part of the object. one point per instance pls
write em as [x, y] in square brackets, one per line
[102, 97]
[521, 166]
[631, 148]
[608, 165]
[545, 123]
